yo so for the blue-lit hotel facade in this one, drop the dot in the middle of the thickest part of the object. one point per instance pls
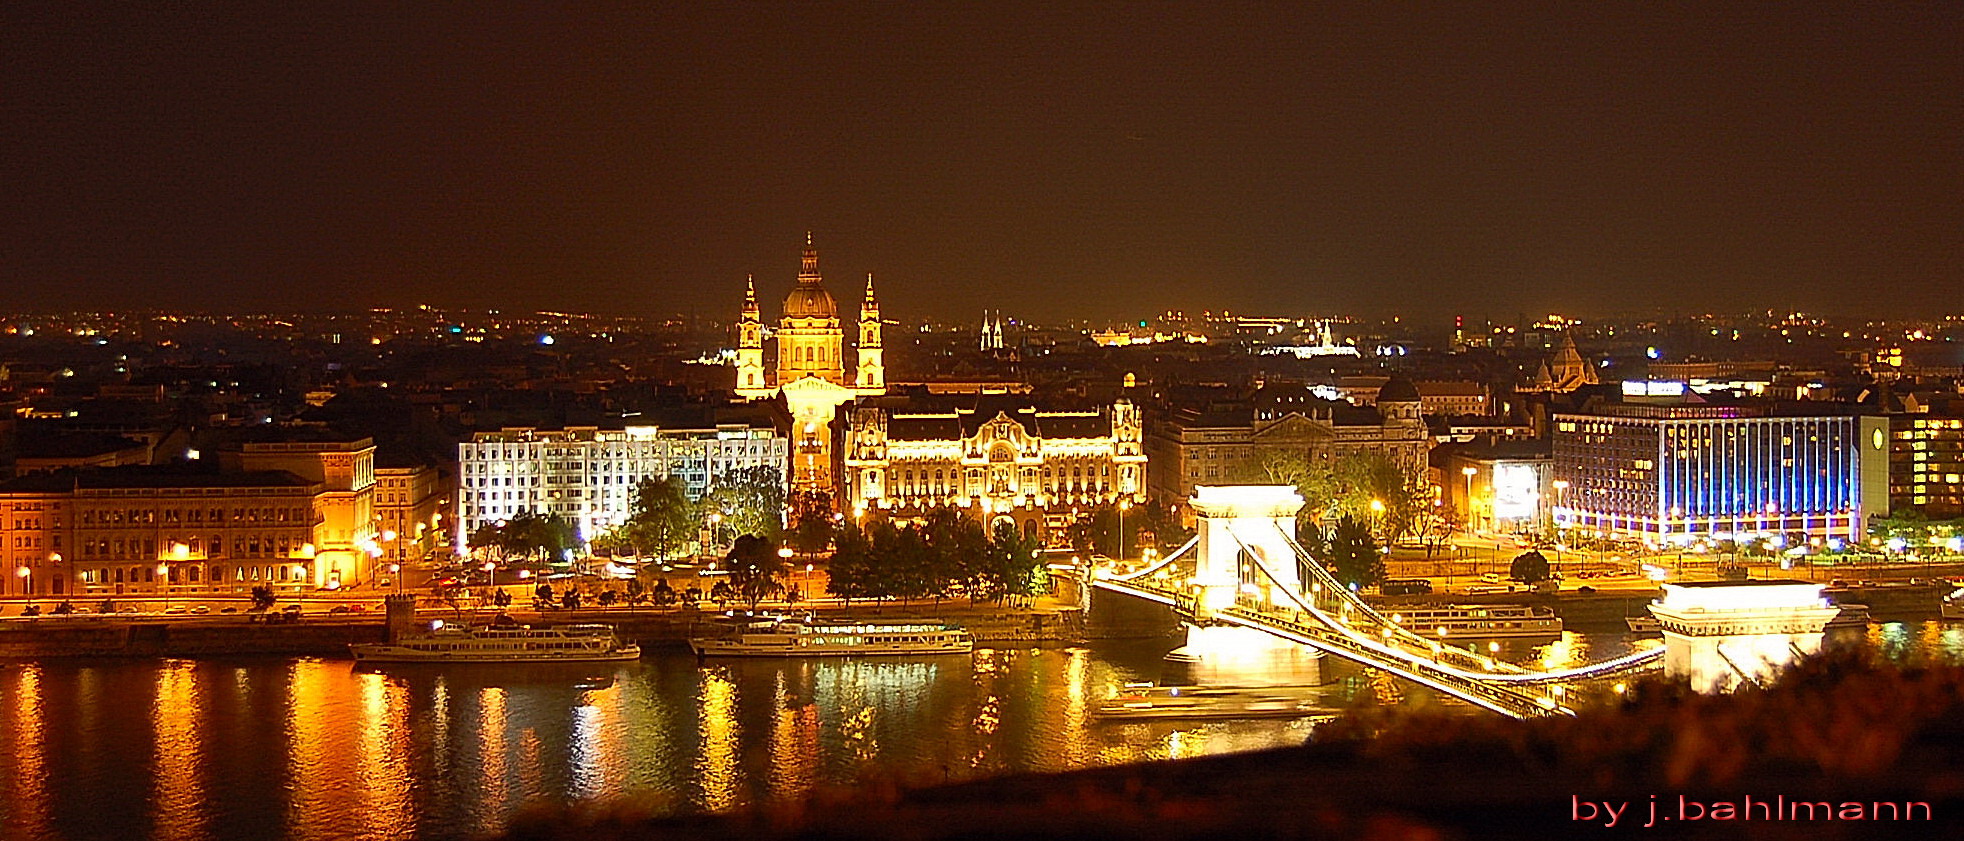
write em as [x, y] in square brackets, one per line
[1672, 474]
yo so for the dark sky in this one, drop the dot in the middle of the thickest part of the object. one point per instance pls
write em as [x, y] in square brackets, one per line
[1051, 159]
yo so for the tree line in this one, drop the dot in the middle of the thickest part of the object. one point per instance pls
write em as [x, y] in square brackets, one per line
[948, 554]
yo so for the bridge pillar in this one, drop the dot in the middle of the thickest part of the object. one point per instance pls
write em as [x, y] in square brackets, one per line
[1720, 634]
[1236, 520]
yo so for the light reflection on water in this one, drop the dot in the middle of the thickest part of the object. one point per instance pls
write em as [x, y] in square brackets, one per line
[314, 749]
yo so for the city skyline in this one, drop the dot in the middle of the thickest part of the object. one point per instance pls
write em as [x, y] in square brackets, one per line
[1058, 160]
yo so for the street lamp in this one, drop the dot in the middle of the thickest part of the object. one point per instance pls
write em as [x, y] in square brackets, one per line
[163, 580]
[395, 573]
[1377, 515]
[25, 585]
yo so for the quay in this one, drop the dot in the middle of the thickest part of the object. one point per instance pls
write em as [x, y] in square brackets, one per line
[329, 635]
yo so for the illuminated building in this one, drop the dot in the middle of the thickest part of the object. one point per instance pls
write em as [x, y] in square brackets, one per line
[811, 372]
[345, 538]
[408, 501]
[1226, 443]
[1926, 452]
[588, 475]
[1681, 472]
[1000, 455]
[1442, 398]
[1505, 486]
[1567, 371]
[108, 532]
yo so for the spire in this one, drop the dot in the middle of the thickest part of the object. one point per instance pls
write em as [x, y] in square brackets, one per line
[808, 272]
[869, 290]
[749, 295]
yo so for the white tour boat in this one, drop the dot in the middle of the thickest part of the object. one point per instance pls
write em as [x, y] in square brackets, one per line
[1139, 703]
[792, 638]
[514, 644]
[1477, 621]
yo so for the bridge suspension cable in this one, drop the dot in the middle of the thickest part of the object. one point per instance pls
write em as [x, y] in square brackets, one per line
[1163, 563]
[1491, 668]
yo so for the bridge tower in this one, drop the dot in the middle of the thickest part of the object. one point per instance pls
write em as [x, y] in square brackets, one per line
[1240, 525]
[1235, 522]
[1720, 634]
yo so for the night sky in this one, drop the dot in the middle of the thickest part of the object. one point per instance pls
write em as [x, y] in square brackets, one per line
[1050, 159]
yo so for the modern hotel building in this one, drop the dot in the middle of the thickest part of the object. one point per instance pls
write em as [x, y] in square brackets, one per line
[1673, 473]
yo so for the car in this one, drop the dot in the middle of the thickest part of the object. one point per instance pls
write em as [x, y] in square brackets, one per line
[201, 610]
[176, 610]
[130, 610]
[339, 608]
[227, 610]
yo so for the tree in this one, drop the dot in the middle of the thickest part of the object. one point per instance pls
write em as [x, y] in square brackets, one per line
[1529, 568]
[1298, 467]
[262, 597]
[1167, 531]
[1368, 476]
[1009, 568]
[750, 501]
[1353, 554]
[528, 535]
[756, 570]
[850, 574]
[1097, 533]
[661, 519]
[812, 523]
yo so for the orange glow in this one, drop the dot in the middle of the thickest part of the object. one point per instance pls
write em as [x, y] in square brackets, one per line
[177, 716]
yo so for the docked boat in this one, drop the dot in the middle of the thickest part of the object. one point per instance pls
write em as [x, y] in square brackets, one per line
[792, 638]
[1479, 621]
[1196, 702]
[1952, 606]
[505, 644]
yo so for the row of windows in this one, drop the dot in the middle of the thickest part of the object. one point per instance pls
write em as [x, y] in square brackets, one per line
[150, 516]
[192, 574]
[242, 546]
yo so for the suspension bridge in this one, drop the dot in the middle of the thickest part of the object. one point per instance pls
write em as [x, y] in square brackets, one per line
[1244, 568]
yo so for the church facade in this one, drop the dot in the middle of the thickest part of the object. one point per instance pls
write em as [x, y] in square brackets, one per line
[810, 370]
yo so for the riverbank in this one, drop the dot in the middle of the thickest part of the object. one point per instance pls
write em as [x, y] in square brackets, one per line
[329, 635]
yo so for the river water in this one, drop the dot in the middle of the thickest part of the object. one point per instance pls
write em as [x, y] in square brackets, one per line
[308, 748]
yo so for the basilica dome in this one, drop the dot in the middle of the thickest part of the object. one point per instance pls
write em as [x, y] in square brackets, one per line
[810, 300]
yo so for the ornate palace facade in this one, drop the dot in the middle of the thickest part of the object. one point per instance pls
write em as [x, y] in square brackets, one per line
[999, 453]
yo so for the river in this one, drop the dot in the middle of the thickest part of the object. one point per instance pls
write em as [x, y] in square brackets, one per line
[305, 748]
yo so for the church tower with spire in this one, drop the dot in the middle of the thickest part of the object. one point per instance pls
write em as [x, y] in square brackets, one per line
[872, 365]
[750, 381]
[809, 340]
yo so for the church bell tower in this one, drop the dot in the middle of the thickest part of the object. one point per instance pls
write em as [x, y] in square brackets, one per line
[872, 367]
